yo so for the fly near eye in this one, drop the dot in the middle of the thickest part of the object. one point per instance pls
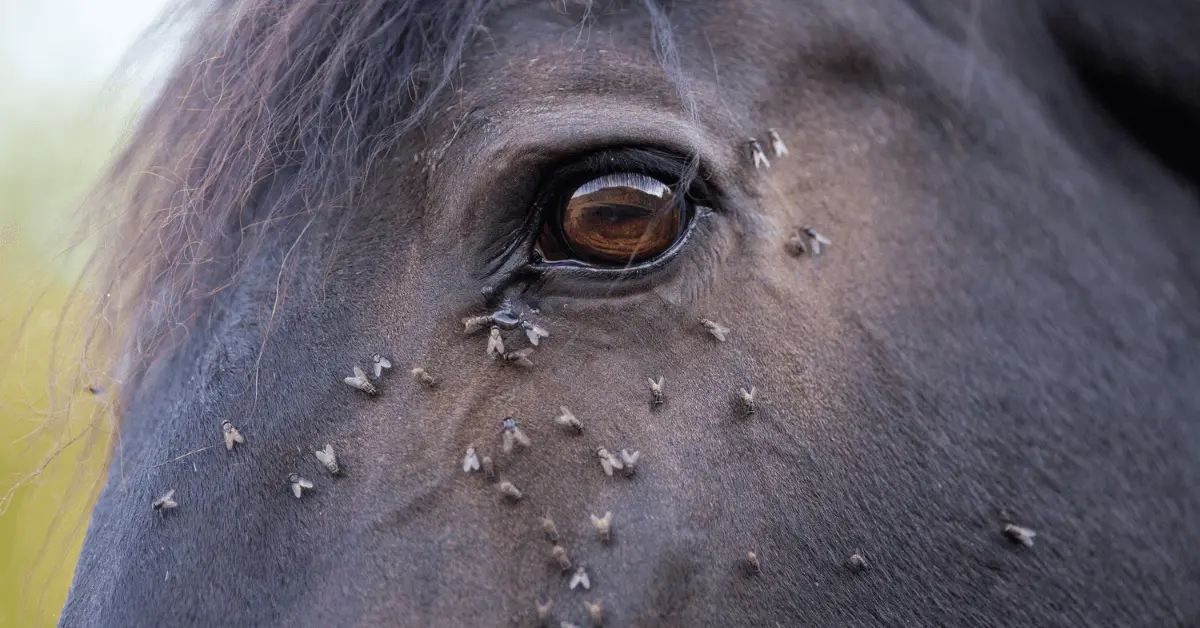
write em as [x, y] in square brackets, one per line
[616, 219]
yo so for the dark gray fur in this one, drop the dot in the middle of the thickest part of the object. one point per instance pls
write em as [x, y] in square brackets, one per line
[1006, 327]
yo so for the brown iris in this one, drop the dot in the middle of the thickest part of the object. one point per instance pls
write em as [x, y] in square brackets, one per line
[620, 218]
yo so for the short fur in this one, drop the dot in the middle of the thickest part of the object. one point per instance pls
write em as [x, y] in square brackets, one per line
[1004, 329]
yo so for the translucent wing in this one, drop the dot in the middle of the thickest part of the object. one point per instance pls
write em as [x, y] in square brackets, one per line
[535, 333]
[327, 458]
[580, 579]
[521, 437]
[507, 441]
[296, 489]
[473, 324]
[495, 343]
[471, 461]
[521, 357]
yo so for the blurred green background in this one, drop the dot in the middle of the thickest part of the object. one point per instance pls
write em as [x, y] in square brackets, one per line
[62, 114]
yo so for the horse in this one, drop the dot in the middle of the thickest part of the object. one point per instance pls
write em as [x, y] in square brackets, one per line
[767, 313]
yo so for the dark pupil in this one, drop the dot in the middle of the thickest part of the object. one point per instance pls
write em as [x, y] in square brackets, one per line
[632, 220]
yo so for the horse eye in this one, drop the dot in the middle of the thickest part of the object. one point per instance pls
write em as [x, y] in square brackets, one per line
[614, 220]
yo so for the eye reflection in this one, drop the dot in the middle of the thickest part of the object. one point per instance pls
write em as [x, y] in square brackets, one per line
[617, 219]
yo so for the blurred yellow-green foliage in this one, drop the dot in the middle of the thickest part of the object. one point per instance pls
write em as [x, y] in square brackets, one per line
[54, 141]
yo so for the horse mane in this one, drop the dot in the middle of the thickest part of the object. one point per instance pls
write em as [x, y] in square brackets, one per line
[299, 97]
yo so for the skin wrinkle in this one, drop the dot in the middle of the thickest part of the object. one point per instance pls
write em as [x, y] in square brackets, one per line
[970, 343]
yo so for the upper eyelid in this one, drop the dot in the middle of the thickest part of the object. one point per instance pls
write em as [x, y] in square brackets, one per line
[555, 135]
[511, 154]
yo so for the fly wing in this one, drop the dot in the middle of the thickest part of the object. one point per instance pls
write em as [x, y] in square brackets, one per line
[507, 442]
[296, 490]
[521, 357]
[606, 464]
[495, 343]
[521, 437]
[470, 463]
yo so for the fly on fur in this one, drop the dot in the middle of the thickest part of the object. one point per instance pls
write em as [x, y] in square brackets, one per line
[1019, 534]
[511, 434]
[756, 154]
[231, 434]
[298, 484]
[656, 390]
[603, 527]
[797, 244]
[566, 419]
[544, 610]
[471, 460]
[472, 324]
[749, 403]
[489, 467]
[549, 529]
[608, 462]
[716, 329]
[595, 611]
[379, 363]
[165, 502]
[777, 145]
[559, 554]
[359, 380]
[329, 459]
[817, 240]
[495, 346]
[534, 332]
[629, 461]
[510, 491]
[520, 357]
[423, 376]
[580, 579]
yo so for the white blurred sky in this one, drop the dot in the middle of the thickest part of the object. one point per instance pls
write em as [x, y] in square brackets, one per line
[63, 43]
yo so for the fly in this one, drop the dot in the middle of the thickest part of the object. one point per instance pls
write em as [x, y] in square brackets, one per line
[777, 145]
[717, 330]
[608, 462]
[328, 459]
[231, 434]
[495, 346]
[749, 404]
[656, 390]
[359, 380]
[512, 434]
[566, 419]
[165, 502]
[756, 154]
[379, 363]
[534, 332]
[471, 460]
[298, 484]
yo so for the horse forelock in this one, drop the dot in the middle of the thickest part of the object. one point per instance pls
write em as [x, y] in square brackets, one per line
[272, 115]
